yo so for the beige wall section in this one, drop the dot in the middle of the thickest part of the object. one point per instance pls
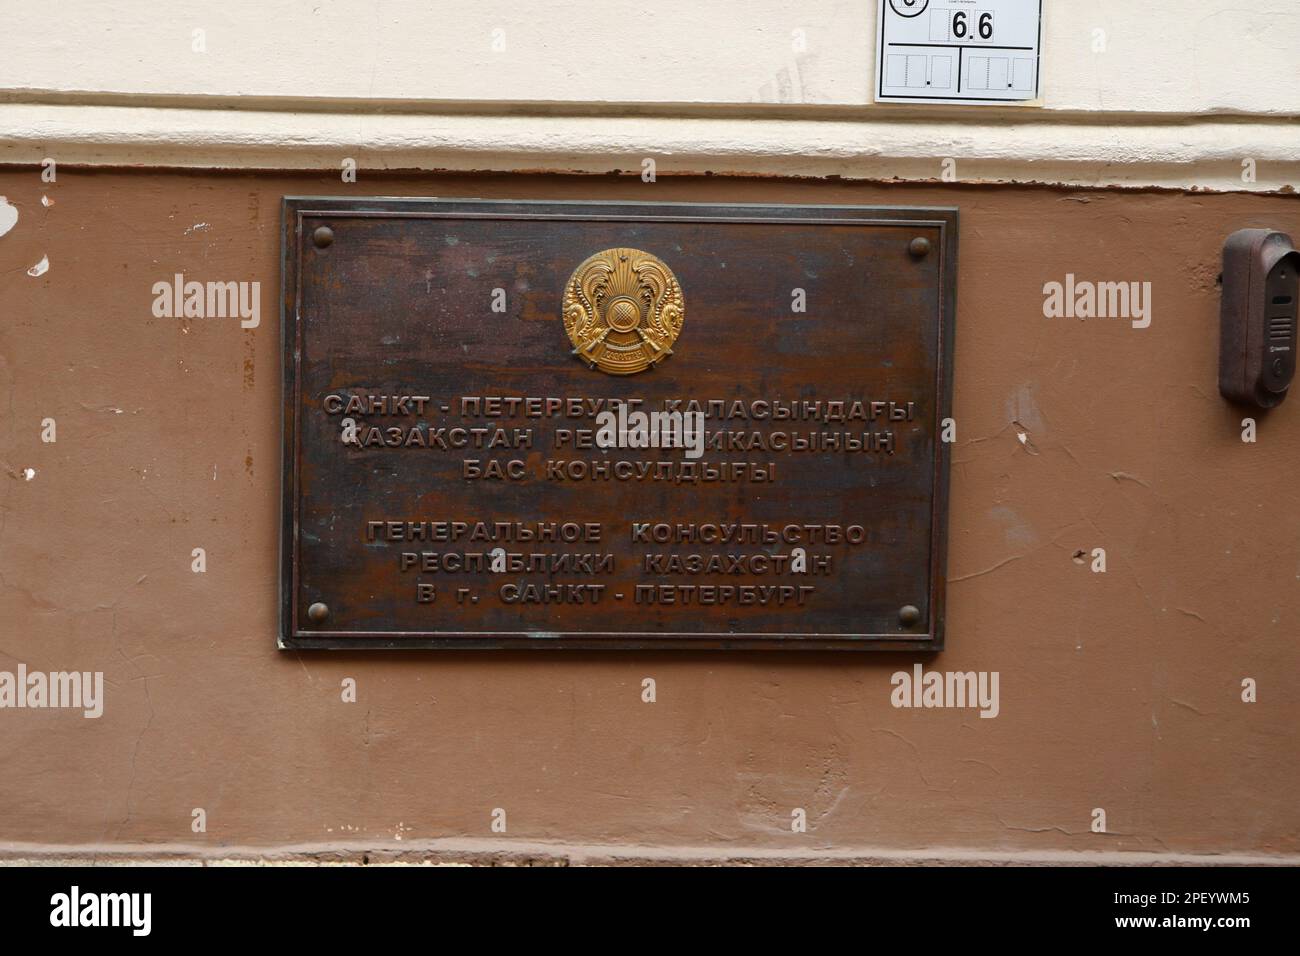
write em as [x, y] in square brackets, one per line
[1181, 94]
[1163, 56]
[1119, 690]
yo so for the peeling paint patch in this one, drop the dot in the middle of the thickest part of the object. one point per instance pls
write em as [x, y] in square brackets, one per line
[1023, 410]
[1016, 532]
[1023, 437]
[46, 201]
[1125, 476]
[8, 215]
[29, 474]
[40, 268]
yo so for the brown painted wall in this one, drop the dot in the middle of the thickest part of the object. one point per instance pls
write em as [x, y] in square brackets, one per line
[1118, 690]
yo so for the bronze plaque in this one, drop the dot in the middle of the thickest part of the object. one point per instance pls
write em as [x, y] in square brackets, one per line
[615, 425]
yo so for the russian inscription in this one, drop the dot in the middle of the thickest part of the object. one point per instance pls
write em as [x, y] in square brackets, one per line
[759, 477]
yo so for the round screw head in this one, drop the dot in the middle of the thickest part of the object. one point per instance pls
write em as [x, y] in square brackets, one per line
[909, 615]
[323, 236]
[919, 247]
[318, 612]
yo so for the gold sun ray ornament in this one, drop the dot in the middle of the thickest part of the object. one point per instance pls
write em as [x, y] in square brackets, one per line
[623, 310]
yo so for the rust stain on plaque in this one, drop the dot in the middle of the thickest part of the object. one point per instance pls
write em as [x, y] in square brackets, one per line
[462, 470]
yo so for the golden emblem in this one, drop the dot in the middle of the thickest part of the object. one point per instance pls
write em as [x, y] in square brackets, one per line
[623, 309]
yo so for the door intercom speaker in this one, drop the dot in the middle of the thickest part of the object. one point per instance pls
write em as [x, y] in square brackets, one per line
[1257, 318]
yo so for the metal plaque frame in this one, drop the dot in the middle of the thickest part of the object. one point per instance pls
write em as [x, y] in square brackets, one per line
[936, 230]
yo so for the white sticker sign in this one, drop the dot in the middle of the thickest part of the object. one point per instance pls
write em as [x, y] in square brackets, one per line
[958, 51]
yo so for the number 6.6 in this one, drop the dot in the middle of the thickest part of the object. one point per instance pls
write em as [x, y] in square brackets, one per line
[961, 25]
